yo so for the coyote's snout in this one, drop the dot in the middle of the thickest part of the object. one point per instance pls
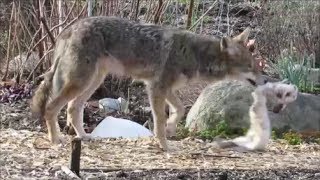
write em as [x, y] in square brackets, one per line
[164, 58]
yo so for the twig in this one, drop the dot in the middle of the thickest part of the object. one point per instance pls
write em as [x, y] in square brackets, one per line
[31, 49]
[47, 29]
[24, 25]
[39, 11]
[204, 14]
[165, 6]
[38, 64]
[137, 10]
[228, 19]
[9, 43]
[40, 61]
[214, 155]
[68, 172]
[71, 22]
[7, 170]
[67, 17]
[19, 61]
[220, 15]
[157, 15]
[54, 27]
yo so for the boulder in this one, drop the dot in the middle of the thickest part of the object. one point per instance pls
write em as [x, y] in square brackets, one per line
[230, 101]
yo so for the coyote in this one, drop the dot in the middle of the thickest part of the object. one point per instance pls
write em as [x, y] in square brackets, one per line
[163, 58]
[260, 129]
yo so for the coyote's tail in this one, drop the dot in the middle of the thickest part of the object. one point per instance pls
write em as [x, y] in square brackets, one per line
[42, 94]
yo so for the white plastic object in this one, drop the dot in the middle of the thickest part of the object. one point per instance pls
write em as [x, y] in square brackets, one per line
[117, 127]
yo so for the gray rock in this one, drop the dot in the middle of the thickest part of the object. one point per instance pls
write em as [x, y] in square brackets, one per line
[230, 101]
[109, 105]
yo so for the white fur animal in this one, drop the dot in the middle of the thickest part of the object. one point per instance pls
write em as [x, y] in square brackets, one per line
[260, 129]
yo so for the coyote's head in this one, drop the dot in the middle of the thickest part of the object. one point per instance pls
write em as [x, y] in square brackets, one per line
[240, 63]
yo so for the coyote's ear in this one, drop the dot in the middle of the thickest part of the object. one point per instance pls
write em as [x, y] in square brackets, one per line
[224, 43]
[243, 37]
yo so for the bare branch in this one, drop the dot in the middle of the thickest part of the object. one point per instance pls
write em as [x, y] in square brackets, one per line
[9, 43]
[47, 29]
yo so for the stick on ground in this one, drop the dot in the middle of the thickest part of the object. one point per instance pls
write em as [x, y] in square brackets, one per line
[75, 156]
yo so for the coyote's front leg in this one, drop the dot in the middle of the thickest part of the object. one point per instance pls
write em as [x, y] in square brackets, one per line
[157, 103]
[176, 113]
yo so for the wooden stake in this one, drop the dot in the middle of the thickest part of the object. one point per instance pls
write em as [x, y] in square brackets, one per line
[75, 156]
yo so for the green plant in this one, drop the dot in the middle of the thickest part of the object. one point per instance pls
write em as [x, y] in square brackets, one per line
[182, 132]
[296, 70]
[222, 129]
[274, 135]
[292, 138]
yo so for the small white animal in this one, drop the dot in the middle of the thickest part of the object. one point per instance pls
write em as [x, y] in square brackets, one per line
[260, 129]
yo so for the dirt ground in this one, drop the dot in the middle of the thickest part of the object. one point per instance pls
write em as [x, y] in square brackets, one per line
[26, 154]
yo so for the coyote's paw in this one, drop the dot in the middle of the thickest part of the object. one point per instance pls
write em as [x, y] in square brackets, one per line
[171, 130]
[163, 144]
[56, 140]
[85, 137]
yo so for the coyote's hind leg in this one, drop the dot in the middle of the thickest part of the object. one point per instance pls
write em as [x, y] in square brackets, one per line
[176, 113]
[76, 106]
[157, 97]
[67, 93]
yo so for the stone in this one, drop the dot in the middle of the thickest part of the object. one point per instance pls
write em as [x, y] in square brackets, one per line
[230, 101]
[109, 105]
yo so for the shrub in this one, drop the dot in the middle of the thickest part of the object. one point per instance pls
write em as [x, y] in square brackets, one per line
[286, 23]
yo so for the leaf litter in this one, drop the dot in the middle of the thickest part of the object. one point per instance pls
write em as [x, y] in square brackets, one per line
[29, 155]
